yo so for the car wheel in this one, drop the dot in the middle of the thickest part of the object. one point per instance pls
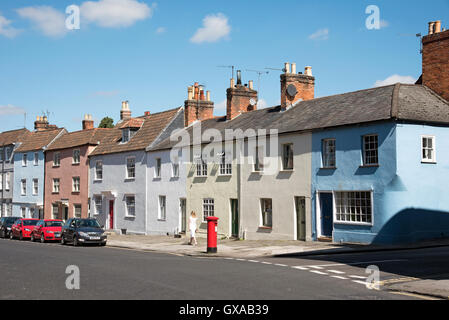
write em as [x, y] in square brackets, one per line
[75, 242]
[62, 240]
[32, 238]
[42, 238]
[11, 236]
[21, 236]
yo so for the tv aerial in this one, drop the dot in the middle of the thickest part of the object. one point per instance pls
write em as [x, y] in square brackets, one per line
[260, 74]
[229, 67]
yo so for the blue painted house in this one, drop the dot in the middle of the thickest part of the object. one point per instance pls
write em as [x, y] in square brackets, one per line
[29, 165]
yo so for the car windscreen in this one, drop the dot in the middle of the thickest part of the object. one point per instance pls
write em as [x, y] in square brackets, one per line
[30, 222]
[10, 220]
[88, 224]
[53, 224]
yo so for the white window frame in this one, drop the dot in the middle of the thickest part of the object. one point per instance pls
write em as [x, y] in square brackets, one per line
[7, 181]
[98, 204]
[286, 157]
[128, 167]
[364, 150]
[126, 135]
[329, 153]
[23, 187]
[80, 212]
[76, 156]
[23, 212]
[128, 206]
[175, 170]
[2, 154]
[158, 168]
[208, 208]
[36, 159]
[8, 154]
[58, 185]
[225, 167]
[56, 159]
[98, 168]
[262, 212]
[433, 149]
[1, 180]
[35, 187]
[350, 222]
[201, 168]
[24, 159]
[54, 213]
[162, 212]
[76, 184]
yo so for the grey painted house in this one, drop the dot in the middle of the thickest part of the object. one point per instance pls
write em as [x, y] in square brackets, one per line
[9, 141]
[118, 171]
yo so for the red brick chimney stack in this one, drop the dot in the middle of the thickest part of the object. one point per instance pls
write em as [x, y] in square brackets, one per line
[125, 113]
[42, 124]
[296, 87]
[88, 123]
[198, 106]
[435, 60]
[240, 98]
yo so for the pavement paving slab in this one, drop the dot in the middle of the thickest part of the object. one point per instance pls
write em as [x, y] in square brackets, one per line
[433, 288]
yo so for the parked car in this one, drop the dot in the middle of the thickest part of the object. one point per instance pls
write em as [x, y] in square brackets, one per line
[22, 228]
[47, 230]
[83, 231]
[5, 226]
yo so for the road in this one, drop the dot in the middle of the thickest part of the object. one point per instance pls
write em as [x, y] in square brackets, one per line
[38, 271]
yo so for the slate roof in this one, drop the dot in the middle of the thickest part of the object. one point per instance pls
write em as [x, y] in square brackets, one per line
[38, 139]
[13, 136]
[80, 138]
[153, 126]
[395, 102]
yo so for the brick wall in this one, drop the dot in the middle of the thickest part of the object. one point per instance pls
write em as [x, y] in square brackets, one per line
[305, 86]
[238, 101]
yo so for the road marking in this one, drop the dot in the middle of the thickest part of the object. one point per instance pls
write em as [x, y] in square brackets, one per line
[229, 258]
[316, 267]
[301, 268]
[318, 272]
[336, 271]
[255, 261]
[359, 282]
[281, 265]
[240, 259]
[339, 277]
[358, 277]
[397, 280]
[266, 262]
[414, 295]
[354, 263]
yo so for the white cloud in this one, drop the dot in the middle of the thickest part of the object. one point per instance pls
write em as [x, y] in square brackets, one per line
[161, 30]
[115, 13]
[395, 79]
[5, 28]
[215, 27]
[48, 20]
[321, 34]
[10, 110]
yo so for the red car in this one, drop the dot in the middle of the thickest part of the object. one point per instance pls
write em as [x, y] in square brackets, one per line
[47, 230]
[22, 228]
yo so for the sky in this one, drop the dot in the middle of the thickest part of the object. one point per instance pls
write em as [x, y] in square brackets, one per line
[149, 52]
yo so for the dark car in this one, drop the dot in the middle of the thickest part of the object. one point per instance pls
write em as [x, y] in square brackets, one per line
[5, 226]
[83, 231]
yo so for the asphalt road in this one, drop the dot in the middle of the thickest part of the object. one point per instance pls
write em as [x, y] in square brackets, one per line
[38, 271]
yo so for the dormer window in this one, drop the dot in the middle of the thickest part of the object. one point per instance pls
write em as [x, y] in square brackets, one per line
[128, 134]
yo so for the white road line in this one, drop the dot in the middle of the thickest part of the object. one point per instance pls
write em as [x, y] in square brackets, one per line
[229, 258]
[266, 262]
[255, 261]
[316, 267]
[339, 277]
[240, 259]
[281, 265]
[359, 282]
[353, 263]
[358, 277]
[336, 271]
[301, 268]
[319, 272]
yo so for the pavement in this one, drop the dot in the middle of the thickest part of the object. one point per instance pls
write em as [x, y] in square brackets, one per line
[237, 249]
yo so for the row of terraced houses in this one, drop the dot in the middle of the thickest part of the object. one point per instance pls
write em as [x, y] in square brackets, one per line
[369, 166]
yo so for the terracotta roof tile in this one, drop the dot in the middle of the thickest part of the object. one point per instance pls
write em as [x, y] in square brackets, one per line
[13, 136]
[80, 138]
[38, 139]
[153, 125]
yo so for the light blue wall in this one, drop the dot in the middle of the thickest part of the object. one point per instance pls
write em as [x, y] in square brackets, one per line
[350, 176]
[30, 172]
[409, 201]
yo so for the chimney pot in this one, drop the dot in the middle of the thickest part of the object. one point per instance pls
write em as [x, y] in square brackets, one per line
[239, 77]
[287, 67]
[308, 71]
[438, 26]
[232, 83]
[190, 93]
[251, 84]
[431, 27]
[294, 68]
[208, 95]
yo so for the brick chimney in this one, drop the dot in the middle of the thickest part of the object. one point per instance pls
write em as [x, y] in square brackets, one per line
[125, 113]
[198, 106]
[240, 98]
[41, 124]
[435, 60]
[88, 123]
[296, 87]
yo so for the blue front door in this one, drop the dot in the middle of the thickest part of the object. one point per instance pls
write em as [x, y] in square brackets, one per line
[327, 214]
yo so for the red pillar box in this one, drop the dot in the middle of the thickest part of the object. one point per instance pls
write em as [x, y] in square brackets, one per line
[212, 230]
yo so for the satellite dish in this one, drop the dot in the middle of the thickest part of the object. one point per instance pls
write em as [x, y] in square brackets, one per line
[252, 102]
[292, 91]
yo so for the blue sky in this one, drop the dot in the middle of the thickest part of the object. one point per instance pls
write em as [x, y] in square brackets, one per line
[152, 51]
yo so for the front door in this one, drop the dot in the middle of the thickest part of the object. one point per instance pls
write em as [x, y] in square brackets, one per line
[183, 209]
[300, 205]
[235, 217]
[66, 213]
[327, 214]
[111, 214]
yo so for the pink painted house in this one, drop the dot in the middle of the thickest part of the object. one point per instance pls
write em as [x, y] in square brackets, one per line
[67, 172]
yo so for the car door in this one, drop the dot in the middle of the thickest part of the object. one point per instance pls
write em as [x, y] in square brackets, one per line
[72, 230]
[65, 229]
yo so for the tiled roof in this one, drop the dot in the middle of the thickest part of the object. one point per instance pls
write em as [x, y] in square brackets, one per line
[80, 138]
[394, 102]
[13, 136]
[152, 127]
[38, 139]
[132, 123]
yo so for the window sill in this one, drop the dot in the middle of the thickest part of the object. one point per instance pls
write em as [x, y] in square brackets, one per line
[287, 170]
[162, 220]
[266, 228]
[98, 180]
[370, 166]
[130, 217]
[363, 224]
[225, 175]
[428, 162]
[328, 168]
[56, 166]
[130, 179]
[76, 192]
[55, 193]
[75, 164]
